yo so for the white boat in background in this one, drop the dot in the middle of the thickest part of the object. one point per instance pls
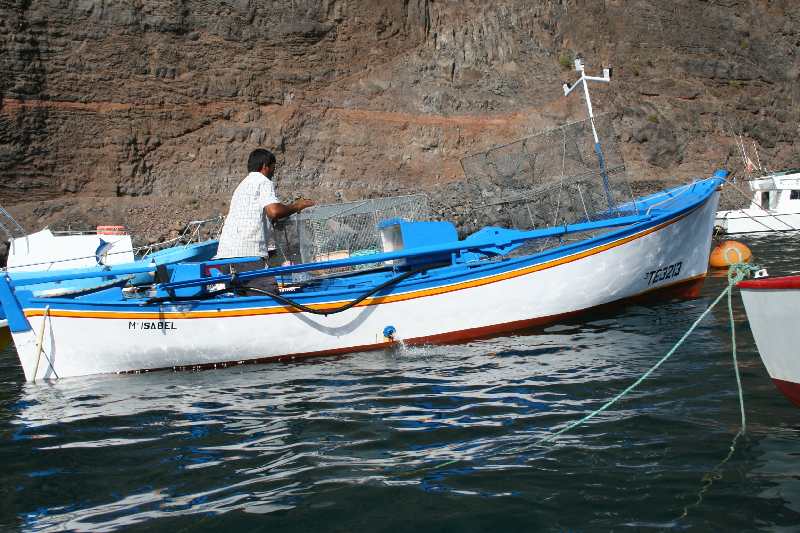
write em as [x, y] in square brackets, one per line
[45, 250]
[774, 206]
[771, 305]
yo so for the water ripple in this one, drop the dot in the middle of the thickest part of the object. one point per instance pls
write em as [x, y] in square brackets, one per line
[434, 437]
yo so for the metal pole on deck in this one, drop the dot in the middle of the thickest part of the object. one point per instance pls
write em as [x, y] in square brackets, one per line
[597, 148]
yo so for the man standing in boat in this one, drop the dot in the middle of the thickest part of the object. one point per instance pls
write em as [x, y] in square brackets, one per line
[254, 207]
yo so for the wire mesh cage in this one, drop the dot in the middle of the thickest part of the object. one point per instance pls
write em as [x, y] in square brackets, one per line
[338, 231]
[553, 178]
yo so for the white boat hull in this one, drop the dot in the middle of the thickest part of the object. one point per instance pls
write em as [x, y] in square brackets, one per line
[774, 206]
[672, 256]
[756, 221]
[771, 307]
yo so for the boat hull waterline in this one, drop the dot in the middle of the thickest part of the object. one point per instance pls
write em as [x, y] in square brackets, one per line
[771, 305]
[667, 254]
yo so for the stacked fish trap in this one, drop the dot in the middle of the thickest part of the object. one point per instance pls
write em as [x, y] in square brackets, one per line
[550, 179]
[339, 231]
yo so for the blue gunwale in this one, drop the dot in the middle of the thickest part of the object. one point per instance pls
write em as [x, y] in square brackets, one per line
[684, 199]
[145, 264]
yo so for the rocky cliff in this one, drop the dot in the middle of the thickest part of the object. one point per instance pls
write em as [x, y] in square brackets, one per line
[143, 112]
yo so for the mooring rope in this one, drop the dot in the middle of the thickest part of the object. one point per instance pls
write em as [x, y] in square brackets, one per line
[736, 273]
[716, 472]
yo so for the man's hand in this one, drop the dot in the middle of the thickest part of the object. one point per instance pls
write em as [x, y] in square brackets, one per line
[278, 211]
[301, 204]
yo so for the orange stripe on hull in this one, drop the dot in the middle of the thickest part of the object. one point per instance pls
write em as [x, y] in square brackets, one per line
[369, 301]
[687, 289]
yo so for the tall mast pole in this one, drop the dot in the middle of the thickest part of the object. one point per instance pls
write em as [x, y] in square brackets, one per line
[606, 78]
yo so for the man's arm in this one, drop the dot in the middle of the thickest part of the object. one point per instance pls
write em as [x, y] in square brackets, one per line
[278, 211]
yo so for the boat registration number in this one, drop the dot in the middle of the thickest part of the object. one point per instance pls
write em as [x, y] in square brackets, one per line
[664, 273]
[160, 325]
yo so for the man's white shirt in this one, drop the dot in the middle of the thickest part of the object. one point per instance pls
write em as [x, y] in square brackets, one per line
[247, 230]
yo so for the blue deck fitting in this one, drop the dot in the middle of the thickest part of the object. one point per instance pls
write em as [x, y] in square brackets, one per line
[17, 321]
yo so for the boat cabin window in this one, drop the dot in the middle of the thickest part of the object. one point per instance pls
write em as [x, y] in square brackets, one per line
[765, 200]
[795, 195]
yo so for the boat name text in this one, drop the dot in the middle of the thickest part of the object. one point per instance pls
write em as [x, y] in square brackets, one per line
[664, 273]
[151, 324]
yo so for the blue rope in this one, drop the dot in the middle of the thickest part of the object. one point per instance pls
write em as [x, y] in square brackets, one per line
[736, 273]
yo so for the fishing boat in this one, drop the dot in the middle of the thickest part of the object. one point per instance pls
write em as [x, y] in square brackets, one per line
[429, 287]
[773, 207]
[771, 305]
[553, 231]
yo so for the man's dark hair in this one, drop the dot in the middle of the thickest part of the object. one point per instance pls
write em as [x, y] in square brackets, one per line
[258, 158]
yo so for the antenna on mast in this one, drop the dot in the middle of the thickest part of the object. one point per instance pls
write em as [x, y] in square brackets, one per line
[582, 81]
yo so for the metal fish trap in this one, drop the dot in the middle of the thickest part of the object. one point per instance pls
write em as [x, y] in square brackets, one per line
[338, 231]
[553, 178]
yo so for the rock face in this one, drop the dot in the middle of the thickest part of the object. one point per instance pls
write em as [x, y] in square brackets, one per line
[144, 112]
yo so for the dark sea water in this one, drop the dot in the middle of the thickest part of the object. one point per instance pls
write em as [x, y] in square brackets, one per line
[437, 438]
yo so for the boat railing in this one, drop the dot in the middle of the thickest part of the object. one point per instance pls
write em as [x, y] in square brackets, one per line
[191, 234]
[69, 232]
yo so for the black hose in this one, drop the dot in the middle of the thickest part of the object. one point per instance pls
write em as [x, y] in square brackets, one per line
[291, 303]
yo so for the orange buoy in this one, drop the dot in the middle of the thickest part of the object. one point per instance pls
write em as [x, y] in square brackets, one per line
[728, 253]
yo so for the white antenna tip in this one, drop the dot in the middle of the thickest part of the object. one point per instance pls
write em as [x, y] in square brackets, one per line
[579, 64]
